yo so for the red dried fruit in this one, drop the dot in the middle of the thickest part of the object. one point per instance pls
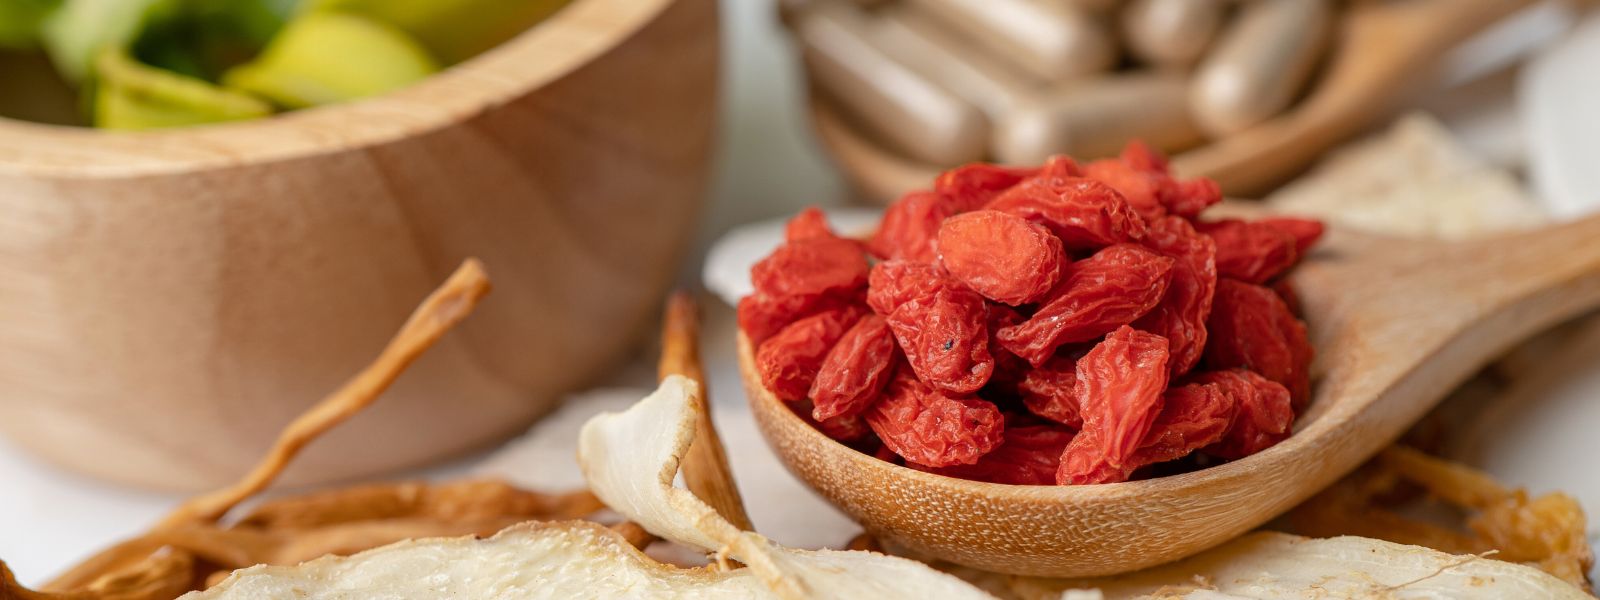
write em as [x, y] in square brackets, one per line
[1098, 294]
[1306, 232]
[1262, 416]
[1057, 170]
[847, 429]
[1029, 455]
[1188, 197]
[1003, 257]
[895, 282]
[1084, 213]
[1142, 189]
[1141, 156]
[1250, 252]
[855, 370]
[945, 338]
[1049, 391]
[1285, 290]
[789, 361]
[910, 226]
[1008, 368]
[970, 187]
[1120, 387]
[810, 223]
[801, 278]
[1192, 417]
[1181, 315]
[1252, 328]
[931, 429]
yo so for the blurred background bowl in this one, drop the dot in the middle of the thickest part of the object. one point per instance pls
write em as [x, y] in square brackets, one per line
[169, 299]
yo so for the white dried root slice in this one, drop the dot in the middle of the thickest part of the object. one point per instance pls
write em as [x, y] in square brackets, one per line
[570, 559]
[630, 460]
[1277, 565]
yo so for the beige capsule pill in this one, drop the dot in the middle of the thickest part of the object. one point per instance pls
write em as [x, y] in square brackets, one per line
[1260, 64]
[1097, 118]
[965, 69]
[1051, 39]
[1170, 33]
[896, 103]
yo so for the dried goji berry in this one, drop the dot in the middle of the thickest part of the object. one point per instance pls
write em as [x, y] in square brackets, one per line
[1262, 413]
[1181, 315]
[1252, 328]
[1192, 417]
[1306, 232]
[1084, 213]
[1140, 188]
[1029, 455]
[1008, 368]
[1120, 387]
[1188, 197]
[1141, 156]
[1250, 252]
[801, 278]
[970, 187]
[1003, 257]
[789, 361]
[810, 223]
[1285, 290]
[945, 337]
[848, 429]
[855, 370]
[895, 282]
[909, 227]
[932, 429]
[1050, 391]
[1098, 294]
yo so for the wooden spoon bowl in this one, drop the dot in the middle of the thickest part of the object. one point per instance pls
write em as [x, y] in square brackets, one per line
[1397, 324]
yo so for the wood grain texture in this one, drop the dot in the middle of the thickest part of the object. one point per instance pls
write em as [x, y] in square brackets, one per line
[169, 299]
[1384, 51]
[1397, 325]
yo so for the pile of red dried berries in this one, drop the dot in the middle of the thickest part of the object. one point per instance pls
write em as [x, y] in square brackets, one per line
[1067, 324]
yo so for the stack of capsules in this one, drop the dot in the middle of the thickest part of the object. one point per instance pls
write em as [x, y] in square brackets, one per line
[947, 82]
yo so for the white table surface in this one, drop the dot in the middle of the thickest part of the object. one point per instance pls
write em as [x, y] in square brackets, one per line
[770, 166]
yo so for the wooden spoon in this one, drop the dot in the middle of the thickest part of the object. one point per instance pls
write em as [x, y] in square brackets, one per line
[1397, 324]
[1383, 48]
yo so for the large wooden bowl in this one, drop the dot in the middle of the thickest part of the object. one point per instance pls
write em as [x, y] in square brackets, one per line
[169, 299]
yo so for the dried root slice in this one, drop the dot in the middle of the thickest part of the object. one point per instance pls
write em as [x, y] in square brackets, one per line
[469, 500]
[1546, 531]
[630, 460]
[1277, 565]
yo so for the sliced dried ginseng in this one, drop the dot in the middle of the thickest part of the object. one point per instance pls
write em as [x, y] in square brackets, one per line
[630, 460]
[1276, 565]
[468, 500]
[1547, 531]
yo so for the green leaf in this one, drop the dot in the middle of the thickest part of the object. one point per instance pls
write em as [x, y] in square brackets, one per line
[20, 20]
[80, 30]
[454, 30]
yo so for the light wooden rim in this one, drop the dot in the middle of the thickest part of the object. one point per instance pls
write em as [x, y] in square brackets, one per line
[1073, 494]
[570, 38]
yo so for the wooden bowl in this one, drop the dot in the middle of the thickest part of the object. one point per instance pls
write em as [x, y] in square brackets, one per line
[169, 299]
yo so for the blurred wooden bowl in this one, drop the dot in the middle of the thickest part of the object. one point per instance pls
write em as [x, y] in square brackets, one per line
[169, 299]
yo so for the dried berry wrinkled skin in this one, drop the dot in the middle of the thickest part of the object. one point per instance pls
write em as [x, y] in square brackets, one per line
[1181, 315]
[810, 223]
[910, 226]
[1306, 232]
[1050, 392]
[1251, 252]
[1252, 328]
[1192, 417]
[931, 429]
[945, 337]
[800, 278]
[1029, 455]
[1262, 414]
[1121, 383]
[894, 282]
[1097, 295]
[1084, 213]
[1001, 256]
[855, 371]
[970, 187]
[789, 361]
